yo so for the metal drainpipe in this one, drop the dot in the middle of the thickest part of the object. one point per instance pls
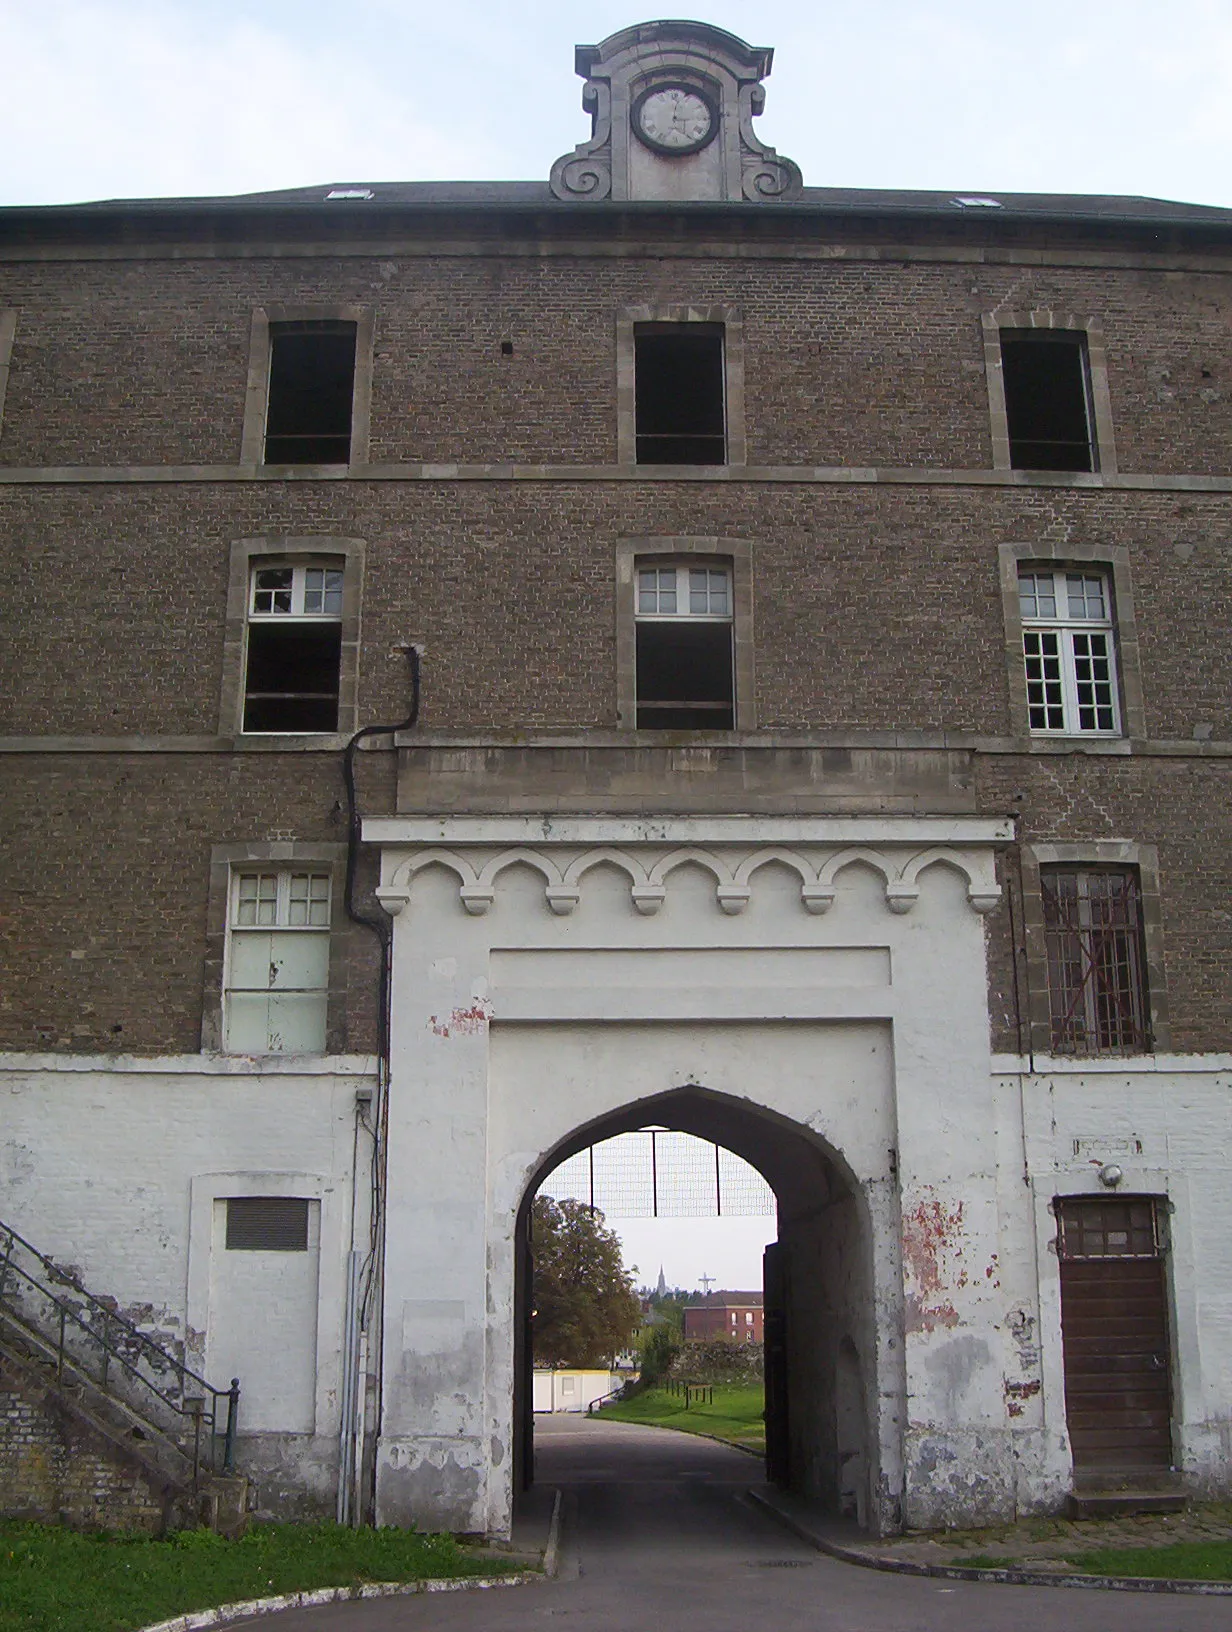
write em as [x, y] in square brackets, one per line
[360, 1295]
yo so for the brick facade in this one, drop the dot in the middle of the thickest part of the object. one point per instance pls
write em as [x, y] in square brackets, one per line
[497, 506]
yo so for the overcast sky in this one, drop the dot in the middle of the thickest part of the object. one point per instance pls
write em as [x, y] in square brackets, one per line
[132, 98]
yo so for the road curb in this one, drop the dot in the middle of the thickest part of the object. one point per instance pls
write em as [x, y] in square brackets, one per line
[551, 1553]
[960, 1572]
[196, 1620]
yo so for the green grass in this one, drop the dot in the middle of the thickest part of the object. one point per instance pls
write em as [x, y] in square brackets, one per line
[735, 1416]
[1184, 1560]
[989, 1561]
[55, 1580]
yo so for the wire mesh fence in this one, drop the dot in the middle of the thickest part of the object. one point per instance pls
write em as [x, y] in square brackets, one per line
[658, 1173]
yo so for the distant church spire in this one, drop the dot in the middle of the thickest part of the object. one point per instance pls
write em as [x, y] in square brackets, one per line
[661, 1289]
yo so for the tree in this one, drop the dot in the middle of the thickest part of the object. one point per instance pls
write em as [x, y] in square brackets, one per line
[585, 1310]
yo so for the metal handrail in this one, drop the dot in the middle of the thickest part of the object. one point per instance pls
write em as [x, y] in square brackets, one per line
[598, 1404]
[194, 1410]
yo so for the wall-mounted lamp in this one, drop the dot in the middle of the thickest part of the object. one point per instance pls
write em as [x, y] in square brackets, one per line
[1111, 1175]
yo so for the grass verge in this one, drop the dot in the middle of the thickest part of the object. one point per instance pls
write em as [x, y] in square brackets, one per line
[1182, 1560]
[55, 1580]
[736, 1414]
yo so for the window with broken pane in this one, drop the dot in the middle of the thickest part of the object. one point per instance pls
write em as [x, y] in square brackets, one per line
[277, 962]
[683, 654]
[311, 393]
[1046, 379]
[294, 649]
[1069, 651]
[1093, 934]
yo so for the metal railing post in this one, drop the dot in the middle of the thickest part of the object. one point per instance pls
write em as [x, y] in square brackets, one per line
[233, 1408]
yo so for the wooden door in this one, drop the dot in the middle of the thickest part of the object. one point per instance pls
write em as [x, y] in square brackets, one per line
[1118, 1397]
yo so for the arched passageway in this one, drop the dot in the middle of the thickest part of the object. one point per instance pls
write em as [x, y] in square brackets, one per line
[821, 1340]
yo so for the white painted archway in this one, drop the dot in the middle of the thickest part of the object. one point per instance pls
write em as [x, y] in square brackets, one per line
[825, 974]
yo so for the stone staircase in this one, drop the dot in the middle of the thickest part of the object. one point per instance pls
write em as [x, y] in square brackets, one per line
[1107, 1492]
[99, 1424]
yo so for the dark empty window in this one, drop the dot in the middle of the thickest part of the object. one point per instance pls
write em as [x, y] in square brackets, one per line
[1047, 399]
[1096, 962]
[311, 387]
[684, 649]
[267, 1224]
[294, 649]
[679, 394]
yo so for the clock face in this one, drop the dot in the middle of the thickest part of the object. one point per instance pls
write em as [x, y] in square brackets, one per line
[674, 118]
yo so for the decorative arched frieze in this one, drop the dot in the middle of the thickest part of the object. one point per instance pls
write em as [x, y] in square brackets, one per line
[649, 869]
[659, 871]
[851, 857]
[983, 891]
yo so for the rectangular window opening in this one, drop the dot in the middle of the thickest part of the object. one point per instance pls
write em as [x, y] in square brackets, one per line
[267, 1224]
[680, 408]
[683, 650]
[311, 391]
[1069, 651]
[277, 980]
[1047, 399]
[294, 649]
[1097, 996]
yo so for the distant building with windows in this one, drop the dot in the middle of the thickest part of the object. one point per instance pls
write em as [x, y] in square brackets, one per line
[734, 1316]
[496, 665]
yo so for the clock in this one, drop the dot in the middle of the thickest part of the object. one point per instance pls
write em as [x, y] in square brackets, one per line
[675, 119]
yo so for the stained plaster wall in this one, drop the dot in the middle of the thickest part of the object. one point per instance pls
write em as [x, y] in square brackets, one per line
[1166, 1123]
[523, 1013]
[112, 1167]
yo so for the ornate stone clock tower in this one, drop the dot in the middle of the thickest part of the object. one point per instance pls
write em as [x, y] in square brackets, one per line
[672, 107]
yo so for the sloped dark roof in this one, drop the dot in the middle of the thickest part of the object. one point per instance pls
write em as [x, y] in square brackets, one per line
[727, 1300]
[1073, 207]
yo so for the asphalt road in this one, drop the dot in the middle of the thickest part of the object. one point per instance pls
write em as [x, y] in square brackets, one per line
[659, 1538]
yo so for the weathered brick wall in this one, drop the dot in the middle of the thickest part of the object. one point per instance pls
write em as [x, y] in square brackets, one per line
[874, 607]
[106, 860]
[54, 1470]
[852, 362]
[1179, 805]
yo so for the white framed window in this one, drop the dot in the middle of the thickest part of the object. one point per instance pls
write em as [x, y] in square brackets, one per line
[293, 656]
[683, 628]
[1069, 651]
[276, 984]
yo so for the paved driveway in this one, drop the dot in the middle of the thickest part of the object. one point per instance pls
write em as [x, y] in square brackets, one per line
[659, 1539]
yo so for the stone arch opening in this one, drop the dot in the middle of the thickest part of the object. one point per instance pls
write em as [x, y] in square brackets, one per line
[821, 1337]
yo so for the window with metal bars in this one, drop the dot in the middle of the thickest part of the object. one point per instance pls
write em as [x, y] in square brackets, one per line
[1095, 1227]
[683, 620]
[1069, 651]
[294, 651]
[1097, 996]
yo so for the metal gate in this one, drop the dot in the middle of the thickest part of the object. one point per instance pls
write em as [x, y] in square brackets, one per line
[1114, 1323]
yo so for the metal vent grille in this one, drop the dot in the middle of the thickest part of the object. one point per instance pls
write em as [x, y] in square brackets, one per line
[267, 1224]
